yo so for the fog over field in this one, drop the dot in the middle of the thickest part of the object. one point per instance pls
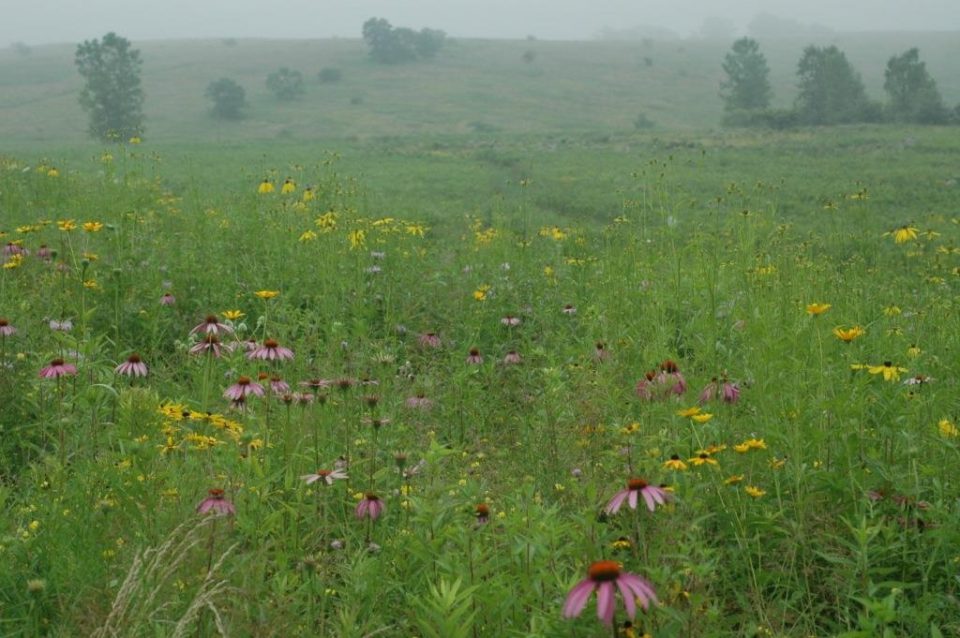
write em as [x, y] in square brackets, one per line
[49, 21]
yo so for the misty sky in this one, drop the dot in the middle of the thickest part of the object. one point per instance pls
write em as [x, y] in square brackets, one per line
[45, 21]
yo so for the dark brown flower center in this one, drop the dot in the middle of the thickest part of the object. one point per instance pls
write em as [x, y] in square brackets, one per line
[669, 366]
[56, 362]
[323, 473]
[370, 496]
[482, 510]
[474, 352]
[4, 323]
[636, 484]
[211, 339]
[134, 358]
[216, 493]
[604, 571]
[212, 319]
[243, 381]
[271, 343]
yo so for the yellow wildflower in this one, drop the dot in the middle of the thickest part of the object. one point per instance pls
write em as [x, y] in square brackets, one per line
[307, 235]
[14, 261]
[674, 463]
[889, 371]
[754, 491]
[53, 172]
[848, 334]
[948, 429]
[734, 479]
[91, 284]
[266, 186]
[308, 194]
[357, 239]
[66, 225]
[688, 412]
[135, 140]
[289, 186]
[702, 459]
[892, 311]
[232, 315]
[914, 351]
[93, 227]
[903, 234]
[266, 294]
[815, 309]
[703, 417]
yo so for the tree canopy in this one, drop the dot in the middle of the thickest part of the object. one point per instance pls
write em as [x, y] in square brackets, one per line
[111, 94]
[747, 87]
[914, 96]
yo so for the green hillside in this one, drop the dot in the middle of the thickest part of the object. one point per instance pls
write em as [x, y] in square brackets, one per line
[474, 86]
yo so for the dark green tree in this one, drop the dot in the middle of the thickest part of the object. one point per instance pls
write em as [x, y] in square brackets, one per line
[389, 45]
[831, 91]
[747, 87]
[229, 99]
[111, 94]
[913, 94]
[286, 84]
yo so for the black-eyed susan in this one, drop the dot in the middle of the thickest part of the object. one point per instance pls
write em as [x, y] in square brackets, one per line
[733, 479]
[675, 463]
[689, 412]
[848, 334]
[266, 187]
[702, 459]
[889, 371]
[702, 417]
[754, 491]
[266, 294]
[289, 186]
[816, 309]
[902, 234]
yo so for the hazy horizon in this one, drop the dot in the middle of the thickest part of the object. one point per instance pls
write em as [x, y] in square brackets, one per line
[36, 22]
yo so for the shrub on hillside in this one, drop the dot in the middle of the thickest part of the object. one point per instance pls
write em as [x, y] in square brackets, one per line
[286, 84]
[329, 75]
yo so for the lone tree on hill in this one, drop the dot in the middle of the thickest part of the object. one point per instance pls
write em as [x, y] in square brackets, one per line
[914, 96]
[285, 83]
[389, 45]
[229, 99]
[747, 87]
[112, 95]
[831, 92]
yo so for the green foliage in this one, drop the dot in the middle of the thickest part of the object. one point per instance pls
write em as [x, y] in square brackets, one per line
[747, 87]
[286, 84]
[229, 98]
[913, 94]
[643, 122]
[111, 94]
[329, 75]
[831, 91]
[396, 45]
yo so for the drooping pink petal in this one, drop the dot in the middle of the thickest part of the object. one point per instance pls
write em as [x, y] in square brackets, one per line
[648, 497]
[641, 588]
[628, 597]
[577, 598]
[616, 502]
[633, 499]
[606, 602]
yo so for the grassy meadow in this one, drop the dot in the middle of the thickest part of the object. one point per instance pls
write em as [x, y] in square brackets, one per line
[443, 361]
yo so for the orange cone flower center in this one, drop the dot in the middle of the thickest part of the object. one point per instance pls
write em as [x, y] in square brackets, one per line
[603, 571]
[636, 484]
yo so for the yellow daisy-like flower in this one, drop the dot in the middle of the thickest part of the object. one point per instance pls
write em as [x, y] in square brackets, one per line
[232, 315]
[92, 227]
[307, 235]
[53, 172]
[688, 412]
[90, 256]
[815, 309]
[674, 463]
[914, 351]
[892, 311]
[702, 459]
[621, 543]
[903, 234]
[754, 491]
[357, 239]
[889, 371]
[756, 444]
[849, 334]
[777, 463]
[266, 294]
[289, 186]
[713, 448]
[741, 448]
[703, 417]
[948, 429]
[308, 194]
[265, 187]
[66, 225]
[734, 479]
[14, 261]
[91, 284]
[135, 140]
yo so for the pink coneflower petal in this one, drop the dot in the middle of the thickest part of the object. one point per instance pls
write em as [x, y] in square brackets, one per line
[641, 589]
[628, 596]
[617, 501]
[632, 499]
[648, 497]
[606, 603]
[577, 598]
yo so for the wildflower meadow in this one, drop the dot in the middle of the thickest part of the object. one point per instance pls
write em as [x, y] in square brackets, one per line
[279, 408]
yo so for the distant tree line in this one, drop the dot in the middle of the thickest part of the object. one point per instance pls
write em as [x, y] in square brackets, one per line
[830, 91]
[396, 45]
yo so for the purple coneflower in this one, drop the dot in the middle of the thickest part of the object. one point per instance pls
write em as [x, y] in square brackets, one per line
[419, 401]
[569, 309]
[216, 503]
[510, 321]
[14, 249]
[211, 326]
[429, 340]
[209, 344]
[512, 358]
[271, 351]
[474, 358]
[729, 392]
[132, 367]
[5, 328]
[279, 386]
[645, 385]
[65, 325]
[57, 369]
[605, 577]
[316, 384]
[44, 253]
[167, 299]
[482, 513]
[600, 353]
[652, 494]
[370, 507]
[327, 476]
[244, 387]
[670, 380]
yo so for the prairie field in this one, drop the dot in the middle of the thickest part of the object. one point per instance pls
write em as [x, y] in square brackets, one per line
[398, 360]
